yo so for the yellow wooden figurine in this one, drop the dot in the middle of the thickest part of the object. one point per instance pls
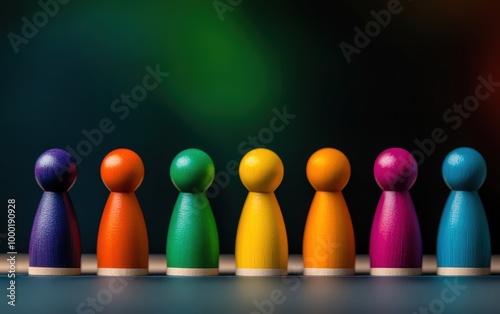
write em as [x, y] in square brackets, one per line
[261, 240]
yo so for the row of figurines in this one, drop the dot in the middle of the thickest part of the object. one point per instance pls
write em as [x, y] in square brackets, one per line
[463, 246]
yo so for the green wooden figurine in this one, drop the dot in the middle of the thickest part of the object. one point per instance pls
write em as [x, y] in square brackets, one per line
[192, 240]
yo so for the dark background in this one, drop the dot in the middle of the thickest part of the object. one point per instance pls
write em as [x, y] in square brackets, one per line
[225, 77]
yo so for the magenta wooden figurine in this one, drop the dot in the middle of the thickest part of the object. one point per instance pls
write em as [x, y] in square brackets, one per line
[395, 241]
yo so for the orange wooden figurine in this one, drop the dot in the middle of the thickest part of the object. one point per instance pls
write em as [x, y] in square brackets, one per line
[122, 243]
[328, 246]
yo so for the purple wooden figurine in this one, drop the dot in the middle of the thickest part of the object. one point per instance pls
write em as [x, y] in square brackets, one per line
[395, 241]
[55, 237]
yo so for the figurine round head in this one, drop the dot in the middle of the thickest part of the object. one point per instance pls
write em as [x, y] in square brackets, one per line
[192, 171]
[261, 170]
[122, 170]
[464, 169]
[55, 170]
[395, 169]
[328, 169]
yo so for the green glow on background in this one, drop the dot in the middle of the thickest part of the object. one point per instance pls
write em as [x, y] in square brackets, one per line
[220, 70]
[223, 74]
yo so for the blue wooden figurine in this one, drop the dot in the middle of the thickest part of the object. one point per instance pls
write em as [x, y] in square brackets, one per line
[463, 243]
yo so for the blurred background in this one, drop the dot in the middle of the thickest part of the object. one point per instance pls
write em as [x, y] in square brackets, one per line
[229, 75]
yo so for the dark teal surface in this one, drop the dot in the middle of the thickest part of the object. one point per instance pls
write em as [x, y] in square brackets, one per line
[230, 294]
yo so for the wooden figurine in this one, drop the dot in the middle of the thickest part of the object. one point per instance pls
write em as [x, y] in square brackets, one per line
[122, 242]
[463, 243]
[395, 240]
[261, 239]
[55, 247]
[192, 240]
[328, 246]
